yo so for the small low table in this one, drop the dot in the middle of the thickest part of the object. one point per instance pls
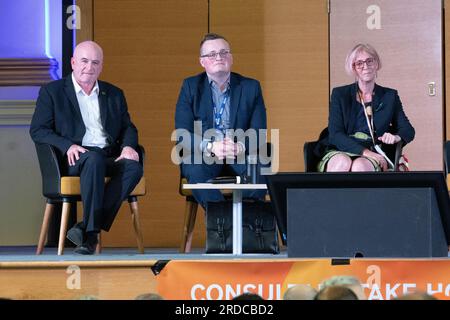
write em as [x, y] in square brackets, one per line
[237, 205]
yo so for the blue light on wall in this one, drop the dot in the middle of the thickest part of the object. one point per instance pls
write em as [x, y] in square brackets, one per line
[22, 29]
[30, 29]
[47, 29]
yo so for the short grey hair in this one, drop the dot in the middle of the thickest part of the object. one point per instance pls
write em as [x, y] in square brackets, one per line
[300, 292]
[351, 57]
[341, 281]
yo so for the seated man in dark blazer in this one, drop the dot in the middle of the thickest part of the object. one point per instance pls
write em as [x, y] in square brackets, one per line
[212, 107]
[88, 121]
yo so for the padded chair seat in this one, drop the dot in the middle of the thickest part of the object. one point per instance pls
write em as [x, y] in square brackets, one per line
[70, 186]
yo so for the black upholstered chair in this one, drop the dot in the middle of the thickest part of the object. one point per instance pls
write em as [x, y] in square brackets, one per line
[447, 163]
[446, 158]
[312, 150]
[66, 189]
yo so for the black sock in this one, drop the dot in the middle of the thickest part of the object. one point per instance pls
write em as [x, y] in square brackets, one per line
[91, 238]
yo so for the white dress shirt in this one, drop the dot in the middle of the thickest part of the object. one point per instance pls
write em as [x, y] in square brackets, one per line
[95, 135]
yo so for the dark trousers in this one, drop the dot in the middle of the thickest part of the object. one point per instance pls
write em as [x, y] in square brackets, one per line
[200, 173]
[102, 202]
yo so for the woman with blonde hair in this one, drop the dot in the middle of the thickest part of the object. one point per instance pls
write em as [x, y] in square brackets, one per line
[363, 116]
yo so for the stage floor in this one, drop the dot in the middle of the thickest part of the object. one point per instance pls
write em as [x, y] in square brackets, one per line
[27, 254]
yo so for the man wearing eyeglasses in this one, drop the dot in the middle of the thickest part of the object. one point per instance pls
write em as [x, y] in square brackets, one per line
[221, 101]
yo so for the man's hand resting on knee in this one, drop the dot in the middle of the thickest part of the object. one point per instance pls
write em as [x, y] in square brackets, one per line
[128, 153]
[73, 153]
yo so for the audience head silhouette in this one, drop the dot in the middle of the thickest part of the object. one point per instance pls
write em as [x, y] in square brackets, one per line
[149, 296]
[300, 292]
[346, 281]
[248, 296]
[336, 293]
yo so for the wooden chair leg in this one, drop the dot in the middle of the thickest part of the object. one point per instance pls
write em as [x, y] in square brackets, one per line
[188, 227]
[49, 209]
[137, 225]
[98, 247]
[63, 228]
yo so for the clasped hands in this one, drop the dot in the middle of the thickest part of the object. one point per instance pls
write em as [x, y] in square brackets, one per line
[226, 148]
[73, 154]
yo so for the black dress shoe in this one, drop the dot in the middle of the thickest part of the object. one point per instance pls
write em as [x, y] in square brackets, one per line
[76, 234]
[88, 246]
[84, 249]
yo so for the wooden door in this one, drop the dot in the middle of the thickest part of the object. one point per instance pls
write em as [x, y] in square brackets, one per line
[408, 37]
[283, 44]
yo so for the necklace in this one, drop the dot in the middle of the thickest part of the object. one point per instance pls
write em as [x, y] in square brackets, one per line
[369, 115]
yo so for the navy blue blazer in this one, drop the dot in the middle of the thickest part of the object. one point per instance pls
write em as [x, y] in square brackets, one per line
[388, 116]
[195, 103]
[57, 119]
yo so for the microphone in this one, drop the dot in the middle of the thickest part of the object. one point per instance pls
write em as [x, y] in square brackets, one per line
[230, 179]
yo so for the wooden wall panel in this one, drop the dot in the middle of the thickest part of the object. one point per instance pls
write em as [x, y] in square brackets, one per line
[284, 44]
[149, 48]
[86, 31]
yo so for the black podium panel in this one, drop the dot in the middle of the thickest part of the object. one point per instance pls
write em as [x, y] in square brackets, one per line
[364, 222]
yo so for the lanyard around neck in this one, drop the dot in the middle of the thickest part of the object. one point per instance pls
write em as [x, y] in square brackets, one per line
[369, 116]
[218, 113]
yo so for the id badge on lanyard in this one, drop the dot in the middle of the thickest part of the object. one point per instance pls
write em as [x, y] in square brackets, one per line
[218, 113]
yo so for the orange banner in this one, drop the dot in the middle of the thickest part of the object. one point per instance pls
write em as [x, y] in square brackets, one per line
[222, 280]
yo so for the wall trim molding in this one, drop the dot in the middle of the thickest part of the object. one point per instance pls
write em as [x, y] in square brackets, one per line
[16, 112]
[27, 71]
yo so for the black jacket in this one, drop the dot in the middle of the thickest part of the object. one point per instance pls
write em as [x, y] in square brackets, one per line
[388, 116]
[57, 119]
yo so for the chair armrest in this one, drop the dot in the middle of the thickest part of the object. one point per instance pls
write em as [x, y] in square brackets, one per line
[393, 152]
[446, 157]
[49, 163]
[141, 151]
[398, 154]
[309, 158]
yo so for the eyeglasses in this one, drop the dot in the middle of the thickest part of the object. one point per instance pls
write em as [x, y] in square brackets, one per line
[360, 63]
[213, 55]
